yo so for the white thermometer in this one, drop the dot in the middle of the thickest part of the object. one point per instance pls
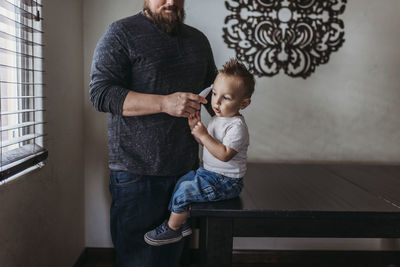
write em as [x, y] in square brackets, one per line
[206, 91]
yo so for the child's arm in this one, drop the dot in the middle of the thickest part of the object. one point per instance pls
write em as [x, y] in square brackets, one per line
[217, 149]
[192, 121]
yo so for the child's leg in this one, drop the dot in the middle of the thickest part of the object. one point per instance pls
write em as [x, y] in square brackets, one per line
[177, 219]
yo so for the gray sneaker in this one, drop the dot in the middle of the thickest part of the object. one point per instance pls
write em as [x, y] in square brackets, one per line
[186, 228]
[162, 235]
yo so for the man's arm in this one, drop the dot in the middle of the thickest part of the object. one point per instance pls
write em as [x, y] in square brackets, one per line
[110, 75]
[217, 149]
[110, 79]
[176, 104]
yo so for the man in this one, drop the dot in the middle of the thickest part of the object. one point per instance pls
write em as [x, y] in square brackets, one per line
[146, 73]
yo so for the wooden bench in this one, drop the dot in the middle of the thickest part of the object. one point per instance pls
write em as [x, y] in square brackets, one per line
[302, 200]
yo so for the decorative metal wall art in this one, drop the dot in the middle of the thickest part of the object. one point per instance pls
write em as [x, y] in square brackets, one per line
[294, 36]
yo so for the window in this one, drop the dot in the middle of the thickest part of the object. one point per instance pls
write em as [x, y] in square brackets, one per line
[21, 86]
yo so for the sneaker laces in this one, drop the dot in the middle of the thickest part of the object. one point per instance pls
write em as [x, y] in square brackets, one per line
[161, 228]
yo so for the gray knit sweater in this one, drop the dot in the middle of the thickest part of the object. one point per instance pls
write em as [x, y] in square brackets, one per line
[133, 54]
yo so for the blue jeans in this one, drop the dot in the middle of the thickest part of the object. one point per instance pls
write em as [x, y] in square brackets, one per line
[139, 204]
[203, 186]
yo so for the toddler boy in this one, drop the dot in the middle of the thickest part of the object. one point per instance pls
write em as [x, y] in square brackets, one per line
[225, 142]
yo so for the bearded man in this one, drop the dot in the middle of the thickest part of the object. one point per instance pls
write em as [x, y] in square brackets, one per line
[146, 73]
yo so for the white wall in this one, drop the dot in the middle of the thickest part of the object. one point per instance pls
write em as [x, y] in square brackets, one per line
[346, 111]
[41, 213]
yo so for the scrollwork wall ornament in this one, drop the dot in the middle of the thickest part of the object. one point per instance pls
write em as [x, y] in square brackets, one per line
[294, 36]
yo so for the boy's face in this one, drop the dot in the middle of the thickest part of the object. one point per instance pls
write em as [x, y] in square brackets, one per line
[228, 96]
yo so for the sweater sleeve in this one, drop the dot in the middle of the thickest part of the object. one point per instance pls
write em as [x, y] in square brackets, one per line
[110, 72]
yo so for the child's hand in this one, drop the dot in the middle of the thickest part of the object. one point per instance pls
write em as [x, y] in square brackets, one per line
[194, 119]
[199, 130]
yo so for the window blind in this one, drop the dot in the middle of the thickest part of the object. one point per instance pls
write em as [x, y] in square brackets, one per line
[21, 86]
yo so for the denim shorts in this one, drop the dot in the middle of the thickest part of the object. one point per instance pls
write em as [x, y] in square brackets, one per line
[203, 186]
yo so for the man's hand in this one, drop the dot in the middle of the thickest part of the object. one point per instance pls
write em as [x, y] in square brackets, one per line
[199, 131]
[182, 104]
[193, 119]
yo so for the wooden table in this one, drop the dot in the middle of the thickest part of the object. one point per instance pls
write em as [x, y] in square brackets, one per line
[290, 200]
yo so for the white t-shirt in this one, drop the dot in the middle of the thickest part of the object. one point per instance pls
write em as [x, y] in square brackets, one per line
[232, 132]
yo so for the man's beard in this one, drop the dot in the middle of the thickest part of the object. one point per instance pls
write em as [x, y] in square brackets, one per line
[168, 22]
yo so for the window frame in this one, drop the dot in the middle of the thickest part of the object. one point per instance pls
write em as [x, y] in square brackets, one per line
[27, 94]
